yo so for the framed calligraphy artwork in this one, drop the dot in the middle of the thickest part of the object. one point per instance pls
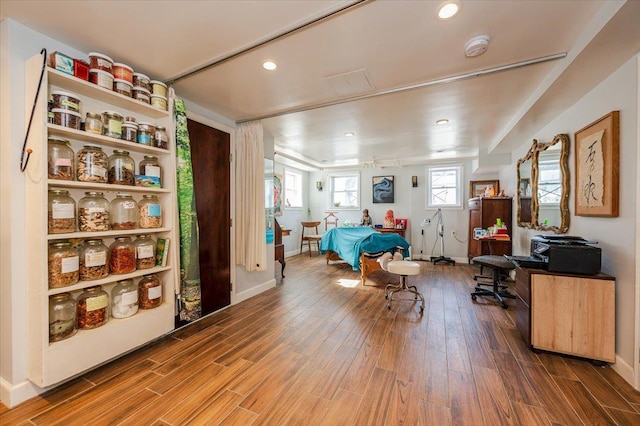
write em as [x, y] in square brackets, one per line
[597, 148]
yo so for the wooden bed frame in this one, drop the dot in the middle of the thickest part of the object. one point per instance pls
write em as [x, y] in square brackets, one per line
[368, 263]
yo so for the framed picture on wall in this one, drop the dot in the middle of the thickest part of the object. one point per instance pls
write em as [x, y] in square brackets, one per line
[478, 188]
[383, 190]
[597, 148]
[277, 194]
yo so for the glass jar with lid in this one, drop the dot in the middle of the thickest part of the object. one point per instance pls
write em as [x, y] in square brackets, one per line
[123, 212]
[161, 138]
[145, 252]
[124, 299]
[93, 123]
[121, 168]
[146, 134]
[112, 124]
[93, 212]
[92, 308]
[92, 164]
[149, 292]
[130, 130]
[62, 317]
[61, 212]
[63, 264]
[150, 212]
[93, 260]
[150, 167]
[122, 256]
[61, 159]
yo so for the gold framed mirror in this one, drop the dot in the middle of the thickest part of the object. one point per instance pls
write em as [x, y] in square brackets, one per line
[525, 190]
[550, 185]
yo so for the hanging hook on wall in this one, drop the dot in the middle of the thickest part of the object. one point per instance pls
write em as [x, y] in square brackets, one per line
[25, 161]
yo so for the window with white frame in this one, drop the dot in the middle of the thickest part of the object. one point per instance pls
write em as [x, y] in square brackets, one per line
[292, 190]
[444, 186]
[345, 191]
[549, 181]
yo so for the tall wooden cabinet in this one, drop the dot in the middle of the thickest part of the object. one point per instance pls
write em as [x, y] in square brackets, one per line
[565, 313]
[51, 363]
[483, 213]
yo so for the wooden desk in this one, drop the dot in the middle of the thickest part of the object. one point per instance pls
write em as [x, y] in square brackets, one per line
[567, 313]
[391, 231]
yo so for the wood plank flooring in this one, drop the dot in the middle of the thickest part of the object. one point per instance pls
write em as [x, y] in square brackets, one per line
[317, 350]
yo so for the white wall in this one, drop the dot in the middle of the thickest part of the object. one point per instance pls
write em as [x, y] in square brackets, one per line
[409, 203]
[291, 217]
[617, 236]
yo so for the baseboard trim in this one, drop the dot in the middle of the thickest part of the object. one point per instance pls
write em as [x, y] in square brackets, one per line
[12, 395]
[254, 291]
[426, 258]
[624, 370]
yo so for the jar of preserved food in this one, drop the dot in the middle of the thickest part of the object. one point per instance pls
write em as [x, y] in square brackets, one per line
[145, 252]
[159, 101]
[92, 308]
[61, 159]
[93, 212]
[93, 260]
[150, 212]
[122, 256]
[66, 118]
[158, 88]
[63, 264]
[130, 131]
[62, 317]
[121, 168]
[92, 164]
[142, 81]
[142, 94]
[146, 134]
[65, 100]
[123, 212]
[61, 212]
[124, 299]
[101, 62]
[149, 292]
[150, 166]
[112, 124]
[122, 86]
[161, 138]
[123, 71]
[93, 123]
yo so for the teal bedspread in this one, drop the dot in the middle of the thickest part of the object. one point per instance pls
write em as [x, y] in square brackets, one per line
[350, 242]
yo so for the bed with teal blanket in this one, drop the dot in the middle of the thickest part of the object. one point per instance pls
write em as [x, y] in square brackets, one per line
[352, 243]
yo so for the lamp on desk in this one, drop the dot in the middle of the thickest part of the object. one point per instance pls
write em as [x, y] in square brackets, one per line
[319, 185]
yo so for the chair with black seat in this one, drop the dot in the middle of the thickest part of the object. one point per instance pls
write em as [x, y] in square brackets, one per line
[499, 266]
[309, 238]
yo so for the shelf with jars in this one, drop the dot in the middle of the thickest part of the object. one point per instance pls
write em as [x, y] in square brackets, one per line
[88, 191]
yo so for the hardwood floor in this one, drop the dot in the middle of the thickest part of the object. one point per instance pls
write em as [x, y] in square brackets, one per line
[315, 351]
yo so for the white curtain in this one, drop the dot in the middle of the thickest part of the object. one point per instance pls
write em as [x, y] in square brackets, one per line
[251, 247]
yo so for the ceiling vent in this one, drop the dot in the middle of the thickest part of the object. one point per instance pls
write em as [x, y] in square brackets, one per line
[476, 46]
[350, 83]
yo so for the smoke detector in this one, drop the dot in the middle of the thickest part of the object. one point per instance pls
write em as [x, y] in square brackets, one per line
[476, 46]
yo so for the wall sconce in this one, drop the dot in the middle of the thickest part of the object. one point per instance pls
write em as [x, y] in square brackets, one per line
[414, 181]
[319, 185]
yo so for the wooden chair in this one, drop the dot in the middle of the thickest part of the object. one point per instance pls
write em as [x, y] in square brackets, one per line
[310, 237]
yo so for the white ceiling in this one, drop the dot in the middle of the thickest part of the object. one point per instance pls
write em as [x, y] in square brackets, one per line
[396, 43]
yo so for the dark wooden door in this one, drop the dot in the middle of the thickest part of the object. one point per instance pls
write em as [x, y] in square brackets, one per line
[210, 154]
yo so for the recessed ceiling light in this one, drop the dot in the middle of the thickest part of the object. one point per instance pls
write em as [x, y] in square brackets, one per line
[349, 134]
[269, 65]
[448, 9]
[442, 121]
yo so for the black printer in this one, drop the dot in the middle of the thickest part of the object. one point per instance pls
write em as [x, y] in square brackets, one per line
[566, 254]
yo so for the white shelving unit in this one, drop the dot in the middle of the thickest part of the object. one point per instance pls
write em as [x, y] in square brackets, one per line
[52, 363]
